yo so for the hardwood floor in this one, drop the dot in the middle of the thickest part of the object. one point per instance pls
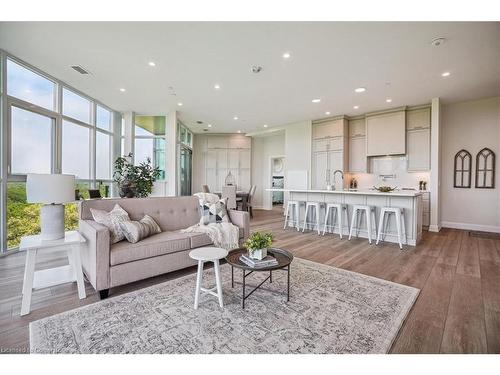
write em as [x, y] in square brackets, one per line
[457, 311]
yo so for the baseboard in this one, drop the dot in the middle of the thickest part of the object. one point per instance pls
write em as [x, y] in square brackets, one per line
[468, 226]
[434, 228]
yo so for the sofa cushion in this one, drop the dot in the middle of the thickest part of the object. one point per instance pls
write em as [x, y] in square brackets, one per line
[201, 239]
[159, 244]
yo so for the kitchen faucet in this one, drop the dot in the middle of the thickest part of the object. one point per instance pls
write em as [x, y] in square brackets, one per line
[341, 175]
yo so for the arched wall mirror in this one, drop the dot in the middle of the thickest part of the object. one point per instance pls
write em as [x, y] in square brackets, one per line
[485, 169]
[462, 169]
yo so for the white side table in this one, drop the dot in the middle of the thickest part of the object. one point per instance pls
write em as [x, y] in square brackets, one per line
[208, 254]
[34, 245]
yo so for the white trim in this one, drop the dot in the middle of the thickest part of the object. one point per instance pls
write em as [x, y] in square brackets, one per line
[469, 226]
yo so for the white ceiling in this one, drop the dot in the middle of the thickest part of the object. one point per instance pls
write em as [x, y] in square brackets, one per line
[328, 61]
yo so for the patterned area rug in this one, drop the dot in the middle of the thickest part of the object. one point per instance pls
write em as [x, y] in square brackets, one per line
[330, 311]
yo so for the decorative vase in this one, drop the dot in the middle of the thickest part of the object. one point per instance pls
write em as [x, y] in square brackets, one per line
[258, 254]
[127, 189]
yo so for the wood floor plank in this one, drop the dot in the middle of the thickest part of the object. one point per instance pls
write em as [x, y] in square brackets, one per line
[465, 330]
[468, 259]
[490, 286]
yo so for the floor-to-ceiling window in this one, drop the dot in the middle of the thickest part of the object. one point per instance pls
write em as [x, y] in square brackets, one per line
[49, 127]
[149, 135]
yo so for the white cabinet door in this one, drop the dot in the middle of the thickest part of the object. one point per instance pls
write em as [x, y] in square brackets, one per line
[221, 159]
[419, 153]
[418, 119]
[357, 128]
[357, 154]
[240, 141]
[244, 157]
[244, 180]
[320, 145]
[328, 129]
[386, 134]
[319, 169]
[221, 178]
[233, 159]
[335, 161]
[211, 179]
[211, 159]
[216, 141]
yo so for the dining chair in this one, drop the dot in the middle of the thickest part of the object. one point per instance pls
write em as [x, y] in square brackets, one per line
[251, 193]
[229, 193]
[205, 188]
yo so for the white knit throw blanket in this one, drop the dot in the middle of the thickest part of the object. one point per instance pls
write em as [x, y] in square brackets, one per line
[224, 235]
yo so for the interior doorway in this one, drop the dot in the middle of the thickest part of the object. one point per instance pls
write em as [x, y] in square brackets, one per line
[276, 180]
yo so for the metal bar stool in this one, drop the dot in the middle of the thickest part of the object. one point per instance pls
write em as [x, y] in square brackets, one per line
[316, 206]
[294, 205]
[337, 209]
[371, 223]
[386, 212]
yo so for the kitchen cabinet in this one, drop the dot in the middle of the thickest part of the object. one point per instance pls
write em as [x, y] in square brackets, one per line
[386, 134]
[418, 118]
[419, 149]
[357, 128]
[320, 169]
[426, 209]
[329, 129]
[220, 159]
[357, 154]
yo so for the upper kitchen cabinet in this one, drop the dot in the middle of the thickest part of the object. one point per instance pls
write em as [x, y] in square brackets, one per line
[330, 129]
[418, 139]
[386, 133]
[357, 145]
[217, 141]
[241, 142]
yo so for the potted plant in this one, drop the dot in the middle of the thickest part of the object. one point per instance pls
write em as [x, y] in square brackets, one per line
[134, 180]
[257, 245]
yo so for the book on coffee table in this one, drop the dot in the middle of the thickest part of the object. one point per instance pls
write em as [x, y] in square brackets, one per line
[255, 263]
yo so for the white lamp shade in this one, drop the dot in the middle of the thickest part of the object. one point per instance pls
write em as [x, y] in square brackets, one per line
[50, 188]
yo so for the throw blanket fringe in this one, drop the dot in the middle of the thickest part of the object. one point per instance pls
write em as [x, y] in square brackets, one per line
[224, 235]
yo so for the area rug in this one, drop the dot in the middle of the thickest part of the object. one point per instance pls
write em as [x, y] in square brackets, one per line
[330, 311]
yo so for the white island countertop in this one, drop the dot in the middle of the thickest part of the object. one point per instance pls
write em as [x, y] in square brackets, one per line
[396, 193]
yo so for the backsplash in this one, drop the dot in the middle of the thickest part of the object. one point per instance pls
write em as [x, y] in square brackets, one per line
[394, 170]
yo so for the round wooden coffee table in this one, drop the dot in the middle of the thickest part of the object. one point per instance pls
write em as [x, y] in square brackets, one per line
[283, 257]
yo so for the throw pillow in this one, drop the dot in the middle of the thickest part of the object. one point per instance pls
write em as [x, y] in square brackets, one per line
[214, 212]
[112, 220]
[137, 230]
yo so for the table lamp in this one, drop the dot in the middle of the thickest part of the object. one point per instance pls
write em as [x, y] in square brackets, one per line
[51, 190]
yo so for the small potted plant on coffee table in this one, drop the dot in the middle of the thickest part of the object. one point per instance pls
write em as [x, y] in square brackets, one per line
[257, 245]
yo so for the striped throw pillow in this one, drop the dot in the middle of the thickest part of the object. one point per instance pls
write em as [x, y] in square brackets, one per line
[135, 231]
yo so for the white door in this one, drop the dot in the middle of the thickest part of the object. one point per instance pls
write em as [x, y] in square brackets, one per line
[419, 143]
[319, 168]
[357, 154]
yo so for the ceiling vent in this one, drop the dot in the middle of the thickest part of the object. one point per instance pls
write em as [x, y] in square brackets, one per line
[436, 42]
[256, 69]
[199, 122]
[80, 69]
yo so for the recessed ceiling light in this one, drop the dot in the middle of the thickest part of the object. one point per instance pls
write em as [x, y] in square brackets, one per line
[239, 131]
[356, 107]
[360, 89]
[179, 104]
[316, 100]
[286, 55]
[151, 63]
[445, 74]
[265, 125]
[327, 113]
[235, 118]
[122, 90]
[209, 125]
[388, 100]
[217, 86]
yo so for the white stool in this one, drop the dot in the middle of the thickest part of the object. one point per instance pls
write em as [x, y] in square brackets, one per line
[400, 223]
[208, 254]
[337, 209]
[294, 205]
[371, 223]
[316, 206]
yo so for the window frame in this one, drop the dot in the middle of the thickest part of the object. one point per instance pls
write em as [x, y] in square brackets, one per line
[7, 101]
[153, 137]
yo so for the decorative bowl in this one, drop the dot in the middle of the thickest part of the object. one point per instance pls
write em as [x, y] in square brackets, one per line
[384, 189]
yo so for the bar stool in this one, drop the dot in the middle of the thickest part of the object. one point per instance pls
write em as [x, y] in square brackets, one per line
[370, 220]
[337, 209]
[316, 206]
[294, 205]
[400, 223]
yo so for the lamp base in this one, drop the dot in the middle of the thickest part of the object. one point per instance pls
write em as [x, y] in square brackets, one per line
[52, 222]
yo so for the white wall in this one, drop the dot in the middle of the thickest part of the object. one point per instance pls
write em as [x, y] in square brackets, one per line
[263, 148]
[472, 126]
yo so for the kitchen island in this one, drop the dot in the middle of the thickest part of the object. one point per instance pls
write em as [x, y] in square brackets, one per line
[409, 200]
